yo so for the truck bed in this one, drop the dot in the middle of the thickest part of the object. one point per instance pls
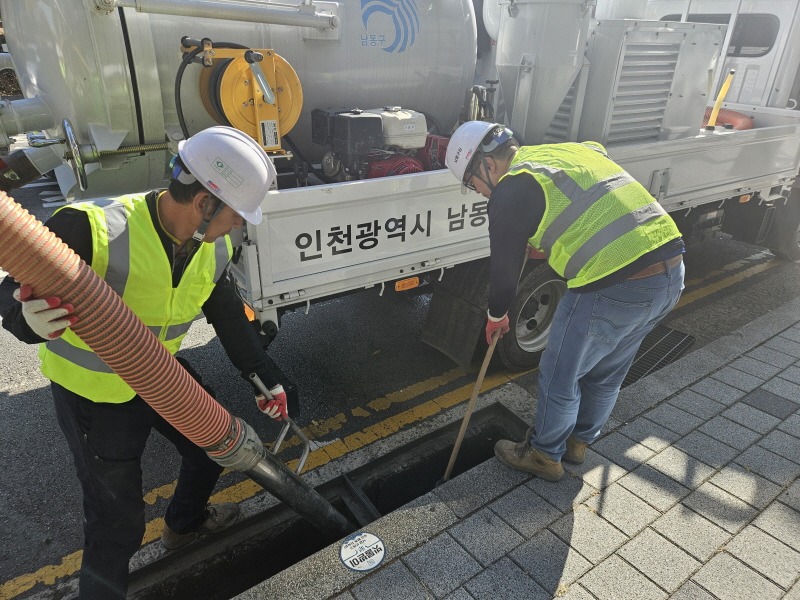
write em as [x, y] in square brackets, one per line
[316, 242]
[693, 171]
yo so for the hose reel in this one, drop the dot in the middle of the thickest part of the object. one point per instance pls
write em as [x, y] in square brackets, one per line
[255, 91]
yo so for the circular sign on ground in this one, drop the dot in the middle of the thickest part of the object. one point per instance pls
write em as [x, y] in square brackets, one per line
[362, 551]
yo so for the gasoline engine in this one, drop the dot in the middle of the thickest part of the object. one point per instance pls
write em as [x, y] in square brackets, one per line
[377, 142]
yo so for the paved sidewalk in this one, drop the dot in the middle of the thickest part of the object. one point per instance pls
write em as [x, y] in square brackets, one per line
[692, 493]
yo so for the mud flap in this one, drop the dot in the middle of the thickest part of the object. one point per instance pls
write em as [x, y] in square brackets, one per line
[457, 311]
[750, 222]
[783, 235]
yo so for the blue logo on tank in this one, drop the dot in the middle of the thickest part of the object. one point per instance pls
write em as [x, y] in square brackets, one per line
[405, 19]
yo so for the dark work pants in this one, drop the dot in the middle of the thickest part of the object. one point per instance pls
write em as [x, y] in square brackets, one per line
[107, 442]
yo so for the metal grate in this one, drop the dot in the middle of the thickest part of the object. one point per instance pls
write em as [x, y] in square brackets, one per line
[659, 348]
[643, 89]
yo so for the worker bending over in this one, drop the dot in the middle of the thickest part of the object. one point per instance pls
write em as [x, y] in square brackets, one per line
[619, 251]
[166, 254]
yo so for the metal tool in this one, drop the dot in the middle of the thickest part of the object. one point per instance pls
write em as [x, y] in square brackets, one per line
[276, 446]
[470, 407]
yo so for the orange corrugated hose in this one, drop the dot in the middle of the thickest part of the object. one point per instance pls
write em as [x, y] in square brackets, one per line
[32, 254]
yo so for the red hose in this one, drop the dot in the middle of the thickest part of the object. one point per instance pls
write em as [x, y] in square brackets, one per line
[32, 254]
[730, 117]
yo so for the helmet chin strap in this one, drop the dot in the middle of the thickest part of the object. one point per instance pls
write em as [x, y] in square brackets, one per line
[210, 210]
[488, 180]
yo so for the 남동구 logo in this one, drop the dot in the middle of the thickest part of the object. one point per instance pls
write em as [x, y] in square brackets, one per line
[405, 19]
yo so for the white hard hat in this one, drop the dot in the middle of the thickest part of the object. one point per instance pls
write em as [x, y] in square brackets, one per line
[232, 166]
[468, 139]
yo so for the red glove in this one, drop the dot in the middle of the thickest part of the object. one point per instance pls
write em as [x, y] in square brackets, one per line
[46, 317]
[493, 324]
[535, 254]
[275, 408]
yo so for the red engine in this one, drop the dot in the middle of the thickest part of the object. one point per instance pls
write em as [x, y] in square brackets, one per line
[428, 158]
[432, 155]
[367, 144]
[394, 164]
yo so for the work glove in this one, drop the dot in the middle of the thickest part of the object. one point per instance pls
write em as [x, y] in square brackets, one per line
[535, 254]
[45, 316]
[496, 324]
[275, 408]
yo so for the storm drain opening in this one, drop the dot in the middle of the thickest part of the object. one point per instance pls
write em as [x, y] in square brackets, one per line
[222, 566]
[660, 347]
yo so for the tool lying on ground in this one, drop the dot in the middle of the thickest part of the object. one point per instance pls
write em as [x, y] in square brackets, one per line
[470, 408]
[289, 423]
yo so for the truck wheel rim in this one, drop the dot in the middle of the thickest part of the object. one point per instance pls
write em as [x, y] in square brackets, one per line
[536, 316]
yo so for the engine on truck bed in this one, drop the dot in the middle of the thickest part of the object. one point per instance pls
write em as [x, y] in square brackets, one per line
[378, 142]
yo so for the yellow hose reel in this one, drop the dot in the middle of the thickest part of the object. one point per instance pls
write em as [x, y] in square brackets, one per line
[232, 95]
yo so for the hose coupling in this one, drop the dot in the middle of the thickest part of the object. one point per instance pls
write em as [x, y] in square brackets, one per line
[246, 452]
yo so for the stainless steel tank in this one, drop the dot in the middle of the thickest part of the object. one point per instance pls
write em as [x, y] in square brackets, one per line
[111, 70]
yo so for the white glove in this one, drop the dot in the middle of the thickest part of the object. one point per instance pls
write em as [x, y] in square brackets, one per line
[275, 408]
[44, 315]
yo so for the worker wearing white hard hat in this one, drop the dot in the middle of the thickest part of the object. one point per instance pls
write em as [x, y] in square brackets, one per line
[617, 249]
[472, 141]
[231, 167]
[166, 253]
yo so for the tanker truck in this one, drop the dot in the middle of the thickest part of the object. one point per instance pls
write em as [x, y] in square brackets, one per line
[354, 100]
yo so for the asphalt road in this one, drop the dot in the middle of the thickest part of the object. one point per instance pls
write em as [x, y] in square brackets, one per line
[360, 367]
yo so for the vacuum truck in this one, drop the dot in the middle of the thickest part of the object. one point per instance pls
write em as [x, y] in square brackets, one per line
[355, 100]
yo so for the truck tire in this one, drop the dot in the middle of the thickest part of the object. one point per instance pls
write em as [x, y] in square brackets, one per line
[530, 317]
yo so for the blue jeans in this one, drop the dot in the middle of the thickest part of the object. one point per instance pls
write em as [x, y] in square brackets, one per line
[592, 344]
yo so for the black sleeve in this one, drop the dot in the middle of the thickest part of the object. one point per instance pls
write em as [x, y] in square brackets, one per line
[72, 226]
[515, 210]
[225, 311]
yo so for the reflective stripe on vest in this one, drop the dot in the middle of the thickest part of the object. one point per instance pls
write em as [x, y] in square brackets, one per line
[89, 360]
[598, 218]
[119, 246]
[581, 199]
[610, 233]
[84, 358]
[166, 311]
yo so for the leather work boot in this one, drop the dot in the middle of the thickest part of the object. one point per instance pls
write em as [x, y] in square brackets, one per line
[524, 457]
[576, 451]
[218, 518]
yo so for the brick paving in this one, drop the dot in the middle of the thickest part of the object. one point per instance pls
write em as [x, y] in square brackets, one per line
[691, 493]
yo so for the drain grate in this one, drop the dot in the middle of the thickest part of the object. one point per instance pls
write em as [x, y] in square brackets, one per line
[661, 346]
[224, 565]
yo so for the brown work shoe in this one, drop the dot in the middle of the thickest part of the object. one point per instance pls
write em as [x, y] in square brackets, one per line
[576, 451]
[218, 518]
[524, 457]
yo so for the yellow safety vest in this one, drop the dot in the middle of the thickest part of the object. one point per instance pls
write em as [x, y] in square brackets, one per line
[127, 252]
[597, 217]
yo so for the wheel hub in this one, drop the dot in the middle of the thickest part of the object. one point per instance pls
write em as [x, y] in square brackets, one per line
[536, 317]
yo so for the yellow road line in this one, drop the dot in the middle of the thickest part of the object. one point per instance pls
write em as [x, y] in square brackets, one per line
[688, 298]
[734, 266]
[46, 575]
[247, 489]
